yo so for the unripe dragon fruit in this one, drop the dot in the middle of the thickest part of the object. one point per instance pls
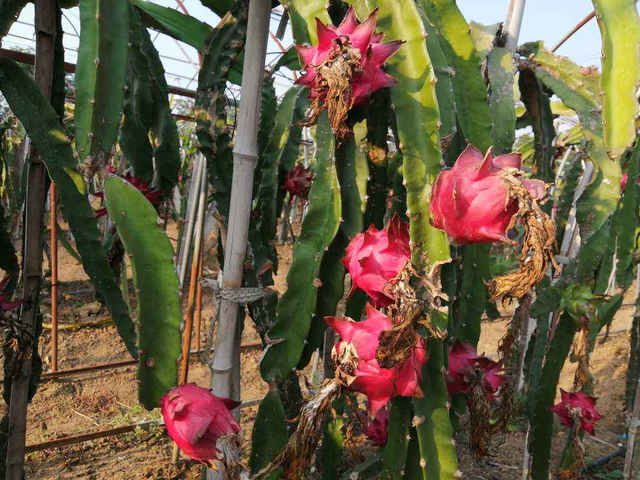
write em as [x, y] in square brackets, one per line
[471, 202]
[357, 367]
[298, 181]
[195, 419]
[577, 405]
[376, 256]
[464, 366]
[378, 428]
[344, 68]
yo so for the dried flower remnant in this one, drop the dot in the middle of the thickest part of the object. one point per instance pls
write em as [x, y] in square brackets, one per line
[344, 68]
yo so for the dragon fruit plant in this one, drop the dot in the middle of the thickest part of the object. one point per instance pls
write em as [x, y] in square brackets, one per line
[414, 181]
[425, 282]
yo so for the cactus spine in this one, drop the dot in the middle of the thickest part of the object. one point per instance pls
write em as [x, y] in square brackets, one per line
[100, 78]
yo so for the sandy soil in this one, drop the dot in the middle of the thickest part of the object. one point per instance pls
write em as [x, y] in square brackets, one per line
[99, 400]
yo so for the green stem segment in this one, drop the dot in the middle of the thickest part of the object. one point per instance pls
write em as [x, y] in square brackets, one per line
[620, 30]
[156, 282]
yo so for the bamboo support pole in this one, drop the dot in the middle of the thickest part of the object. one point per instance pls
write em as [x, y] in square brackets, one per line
[513, 22]
[225, 366]
[45, 30]
[53, 202]
[190, 217]
[632, 458]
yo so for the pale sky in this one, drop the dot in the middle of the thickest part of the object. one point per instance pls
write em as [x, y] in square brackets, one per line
[547, 20]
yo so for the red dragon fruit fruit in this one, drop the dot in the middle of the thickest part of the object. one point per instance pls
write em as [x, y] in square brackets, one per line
[298, 181]
[623, 181]
[344, 68]
[471, 201]
[376, 256]
[358, 369]
[195, 419]
[5, 303]
[579, 405]
[464, 362]
[151, 194]
[378, 428]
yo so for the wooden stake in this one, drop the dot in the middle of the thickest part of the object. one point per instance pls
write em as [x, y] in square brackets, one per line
[54, 276]
[225, 366]
[45, 28]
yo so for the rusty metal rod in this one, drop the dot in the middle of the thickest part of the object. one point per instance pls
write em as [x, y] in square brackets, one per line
[54, 276]
[581, 24]
[125, 363]
[198, 318]
[29, 59]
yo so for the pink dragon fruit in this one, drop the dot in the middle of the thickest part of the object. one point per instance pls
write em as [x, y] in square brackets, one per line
[195, 419]
[623, 181]
[298, 181]
[579, 404]
[378, 428]
[344, 68]
[463, 363]
[376, 256]
[150, 193]
[471, 202]
[358, 369]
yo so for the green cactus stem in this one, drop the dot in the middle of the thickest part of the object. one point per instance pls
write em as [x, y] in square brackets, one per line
[40, 121]
[147, 114]
[287, 336]
[620, 30]
[501, 72]
[9, 13]
[332, 271]
[100, 78]
[274, 149]
[221, 53]
[156, 283]
[539, 109]
[185, 28]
